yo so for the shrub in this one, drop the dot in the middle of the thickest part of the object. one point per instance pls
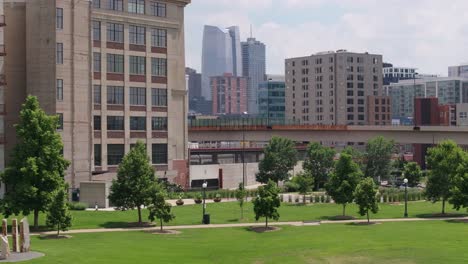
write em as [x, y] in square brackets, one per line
[77, 206]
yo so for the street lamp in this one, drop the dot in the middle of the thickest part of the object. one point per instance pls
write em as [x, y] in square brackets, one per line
[243, 149]
[204, 185]
[406, 196]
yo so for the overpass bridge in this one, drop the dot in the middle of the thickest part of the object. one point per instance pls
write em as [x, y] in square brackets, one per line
[328, 133]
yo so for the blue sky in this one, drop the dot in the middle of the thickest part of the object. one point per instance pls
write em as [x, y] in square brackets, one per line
[427, 34]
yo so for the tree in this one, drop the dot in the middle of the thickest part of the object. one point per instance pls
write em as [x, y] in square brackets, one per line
[343, 181]
[378, 158]
[365, 196]
[267, 202]
[413, 173]
[135, 183]
[459, 190]
[443, 162]
[58, 215]
[319, 163]
[303, 182]
[240, 196]
[159, 208]
[37, 168]
[280, 156]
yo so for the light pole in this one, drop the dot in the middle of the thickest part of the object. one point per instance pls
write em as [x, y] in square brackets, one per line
[243, 149]
[406, 196]
[204, 185]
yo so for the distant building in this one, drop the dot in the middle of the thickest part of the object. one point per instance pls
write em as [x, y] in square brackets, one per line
[199, 105]
[332, 87]
[253, 67]
[221, 54]
[379, 110]
[194, 83]
[393, 74]
[462, 114]
[229, 94]
[458, 71]
[271, 99]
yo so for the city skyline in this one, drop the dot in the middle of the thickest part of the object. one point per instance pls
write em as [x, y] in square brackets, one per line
[428, 35]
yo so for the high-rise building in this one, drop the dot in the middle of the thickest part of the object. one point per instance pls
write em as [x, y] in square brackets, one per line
[229, 94]
[2, 94]
[254, 68]
[271, 99]
[221, 54]
[332, 87]
[104, 68]
[194, 83]
[393, 74]
[458, 71]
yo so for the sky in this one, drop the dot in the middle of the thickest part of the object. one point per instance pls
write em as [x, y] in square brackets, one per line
[427, 34]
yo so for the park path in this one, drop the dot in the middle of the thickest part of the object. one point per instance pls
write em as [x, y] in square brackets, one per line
[292, 223]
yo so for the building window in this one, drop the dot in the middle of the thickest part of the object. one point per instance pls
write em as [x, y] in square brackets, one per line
[60, 121]
[115, 63]
[115, 32]
[159, 123]
[115, 123]
[158, 38]
[115, 153]
[137, 96]
[96, 30]
[59, 53]
[96, 61]
[158, 9]
[136, 6]
[116, 5]
[59, 90]
[350, 117]
[158, 67]
[115, 95]
[97, 123]
[137, 35]
[463, 114]
[97, 94]
[137, 65]
[159, 153]
[158, 97]
[97, 155]
[138, 123]
[97, 3]
[59, 18]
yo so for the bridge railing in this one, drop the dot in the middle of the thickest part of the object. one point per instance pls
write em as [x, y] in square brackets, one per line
[239, 122]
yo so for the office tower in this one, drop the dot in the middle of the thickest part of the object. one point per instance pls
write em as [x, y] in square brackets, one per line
[229, 94]
[332, 87]
[254, 67]
[194, 83]
[458, 71]
[104, 68]
[271, 99]
[221, 54]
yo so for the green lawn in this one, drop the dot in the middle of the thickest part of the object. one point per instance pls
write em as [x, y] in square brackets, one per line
[410, 242]
[230, 213]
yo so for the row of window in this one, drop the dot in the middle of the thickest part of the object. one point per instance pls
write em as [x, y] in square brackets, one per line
[115, 95]
[137, 123]
[115, 64]
[116, 152]
[137, 34]
[154, 8]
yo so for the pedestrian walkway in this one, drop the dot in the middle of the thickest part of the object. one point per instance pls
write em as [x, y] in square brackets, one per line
[292, 223]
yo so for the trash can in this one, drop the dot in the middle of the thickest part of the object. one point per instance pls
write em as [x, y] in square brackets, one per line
[206, 219]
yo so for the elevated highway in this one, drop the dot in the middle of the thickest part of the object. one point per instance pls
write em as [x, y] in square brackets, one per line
[311, 133]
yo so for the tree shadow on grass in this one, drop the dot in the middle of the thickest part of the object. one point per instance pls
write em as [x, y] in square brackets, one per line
[126, 225]
[337, 217]
[458, 221]
[439, 215]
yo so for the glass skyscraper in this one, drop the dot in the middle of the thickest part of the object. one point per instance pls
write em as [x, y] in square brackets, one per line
[254, 67]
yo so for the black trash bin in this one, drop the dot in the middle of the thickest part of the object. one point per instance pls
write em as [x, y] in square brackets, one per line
[206, 219]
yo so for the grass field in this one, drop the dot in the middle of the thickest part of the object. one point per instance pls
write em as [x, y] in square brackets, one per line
[230, 213]
[409, 242]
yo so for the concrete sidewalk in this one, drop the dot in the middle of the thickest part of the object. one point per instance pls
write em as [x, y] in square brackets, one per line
[292, 223]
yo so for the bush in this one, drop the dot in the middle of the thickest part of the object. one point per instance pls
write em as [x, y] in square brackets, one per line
[77, 206]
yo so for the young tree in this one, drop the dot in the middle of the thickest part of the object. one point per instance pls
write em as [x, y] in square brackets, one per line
[58, 215]
[413, 173]
[37, 167]
[240, 196]
[319, 163]
[378, 157]
[365, 196]
[135, 181]
[343, 181]
[442, 162]
[280, 158]
[267, 202]
[304, 183]
[159, 208]
[459, 190]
